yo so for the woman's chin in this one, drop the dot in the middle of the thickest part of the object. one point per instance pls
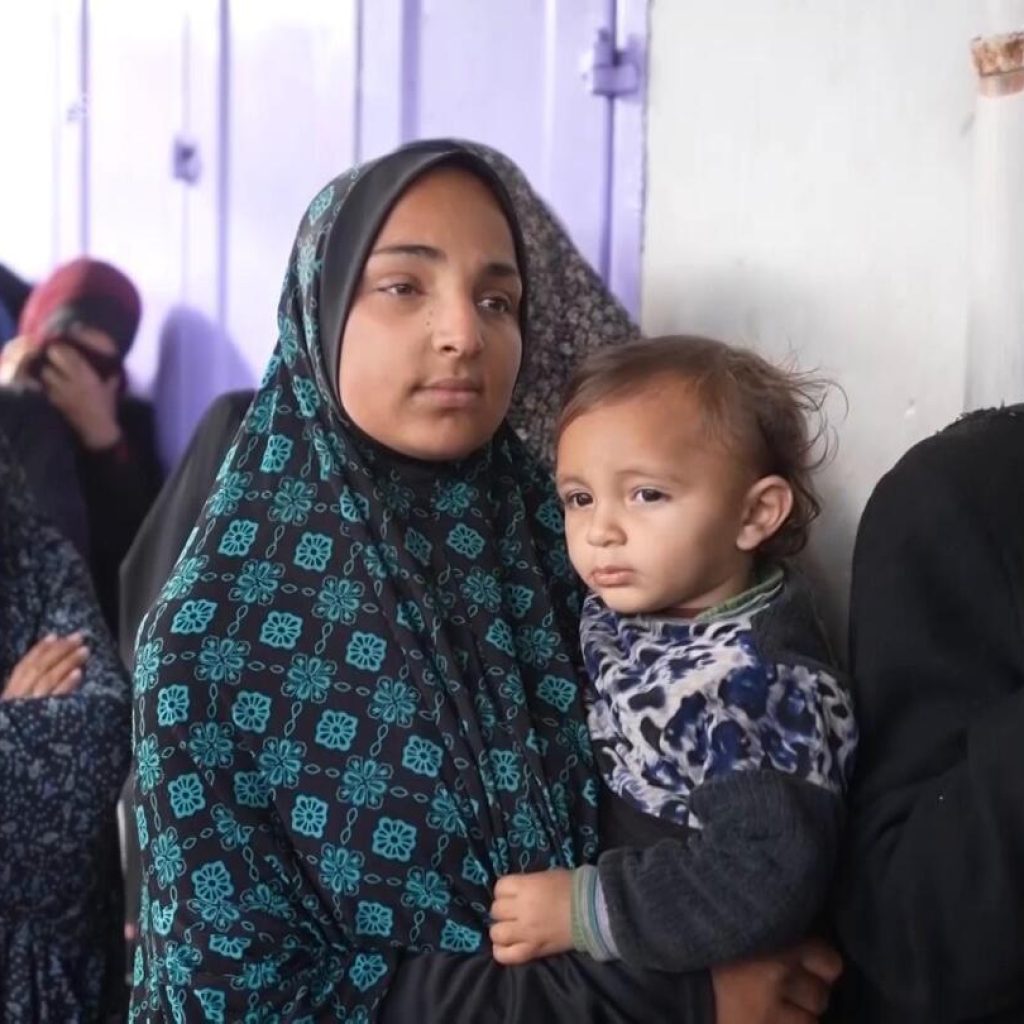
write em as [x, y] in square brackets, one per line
[437, 444]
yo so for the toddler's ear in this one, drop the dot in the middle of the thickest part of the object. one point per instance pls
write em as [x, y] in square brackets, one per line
[767, 506]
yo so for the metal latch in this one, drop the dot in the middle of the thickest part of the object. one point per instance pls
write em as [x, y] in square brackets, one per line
[608, 71]
[186, 164]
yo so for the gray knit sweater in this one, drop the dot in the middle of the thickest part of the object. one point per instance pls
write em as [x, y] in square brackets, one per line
[725, 743]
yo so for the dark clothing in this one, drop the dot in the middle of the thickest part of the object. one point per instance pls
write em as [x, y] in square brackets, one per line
[97, 499]
[7, 325]
[158, 542]
[62, 762]
[442, 988]
[735, 735]
[930, 905]
[753, 881]
[119, 484]
[14, 292]
[43, 445]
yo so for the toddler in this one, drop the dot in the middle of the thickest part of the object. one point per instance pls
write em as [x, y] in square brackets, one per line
[723, 735]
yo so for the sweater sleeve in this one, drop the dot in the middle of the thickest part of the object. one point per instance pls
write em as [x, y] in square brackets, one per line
[929, 905]
[751, 880]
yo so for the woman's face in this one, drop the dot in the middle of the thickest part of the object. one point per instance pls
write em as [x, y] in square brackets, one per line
[431, 348]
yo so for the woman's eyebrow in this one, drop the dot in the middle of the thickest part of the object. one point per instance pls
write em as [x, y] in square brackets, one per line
[426, 252]
[496, 268]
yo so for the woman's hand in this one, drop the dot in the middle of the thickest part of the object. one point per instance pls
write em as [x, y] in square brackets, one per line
[15, 358]
[789, 988]
[51, 668]
[84, 399]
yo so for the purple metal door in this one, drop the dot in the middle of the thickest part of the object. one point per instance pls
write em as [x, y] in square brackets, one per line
[555, 85]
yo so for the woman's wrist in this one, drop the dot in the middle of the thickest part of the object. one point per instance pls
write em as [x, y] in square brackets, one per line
[102, 436]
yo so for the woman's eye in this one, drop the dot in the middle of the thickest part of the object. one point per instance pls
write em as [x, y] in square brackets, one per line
[399, 288]
[649, 495]
[496, 304]
[577, 500]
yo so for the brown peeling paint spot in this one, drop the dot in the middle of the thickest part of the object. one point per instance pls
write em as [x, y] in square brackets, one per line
[999, 61]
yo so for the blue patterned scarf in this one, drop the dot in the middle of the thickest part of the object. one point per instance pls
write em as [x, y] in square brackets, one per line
[357, 696]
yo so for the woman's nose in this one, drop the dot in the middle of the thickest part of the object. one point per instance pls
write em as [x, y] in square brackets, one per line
[457, 327]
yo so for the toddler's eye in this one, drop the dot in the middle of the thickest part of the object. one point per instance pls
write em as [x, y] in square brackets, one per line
[577, 499]
[649, 495]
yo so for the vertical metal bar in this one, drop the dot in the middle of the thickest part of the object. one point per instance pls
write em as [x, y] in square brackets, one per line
[410, 68]
[357, 107]
[628, 160]
[607, 234]
[185, 130]
[223, 160]
[83, 87]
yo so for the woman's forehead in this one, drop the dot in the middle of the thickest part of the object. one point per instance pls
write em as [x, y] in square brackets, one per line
[447, 205]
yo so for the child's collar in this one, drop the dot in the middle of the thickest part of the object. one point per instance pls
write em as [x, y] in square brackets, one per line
[769, 583]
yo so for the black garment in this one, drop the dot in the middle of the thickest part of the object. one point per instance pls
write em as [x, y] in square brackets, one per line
[62, 760]
[42, 444]
[158, 542]
[442, 988]
[14, 292]
[119, 484]
[931, 905]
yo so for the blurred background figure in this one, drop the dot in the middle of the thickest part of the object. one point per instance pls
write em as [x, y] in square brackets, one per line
[13, 293]
[64, 749]
[74, 331]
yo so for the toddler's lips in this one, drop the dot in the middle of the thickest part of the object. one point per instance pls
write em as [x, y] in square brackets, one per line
[611, 576]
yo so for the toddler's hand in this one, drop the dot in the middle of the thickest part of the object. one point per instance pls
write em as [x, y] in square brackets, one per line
[532, 916]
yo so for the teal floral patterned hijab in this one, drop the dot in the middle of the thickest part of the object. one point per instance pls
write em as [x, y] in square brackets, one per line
[357, 696]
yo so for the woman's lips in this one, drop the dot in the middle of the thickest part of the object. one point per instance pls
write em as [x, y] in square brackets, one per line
[452, 393]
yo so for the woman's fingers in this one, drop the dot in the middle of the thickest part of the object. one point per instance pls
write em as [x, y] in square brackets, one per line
[807, 992]
[15, 358]
[821, 959]
[53, 665]
[69, 685]
[62, 671]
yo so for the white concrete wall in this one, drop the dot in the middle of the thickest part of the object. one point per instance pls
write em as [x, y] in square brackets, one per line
[809, 193]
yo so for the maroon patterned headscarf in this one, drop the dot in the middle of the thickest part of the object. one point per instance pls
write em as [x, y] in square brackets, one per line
[85, 291]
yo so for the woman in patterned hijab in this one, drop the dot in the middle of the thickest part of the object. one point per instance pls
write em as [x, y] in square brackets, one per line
[64, 729]
[358, 694]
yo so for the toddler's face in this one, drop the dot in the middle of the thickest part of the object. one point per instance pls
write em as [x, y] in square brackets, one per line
[653, 505]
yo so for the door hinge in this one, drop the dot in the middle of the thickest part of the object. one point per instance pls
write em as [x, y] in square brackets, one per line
[608, 71]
